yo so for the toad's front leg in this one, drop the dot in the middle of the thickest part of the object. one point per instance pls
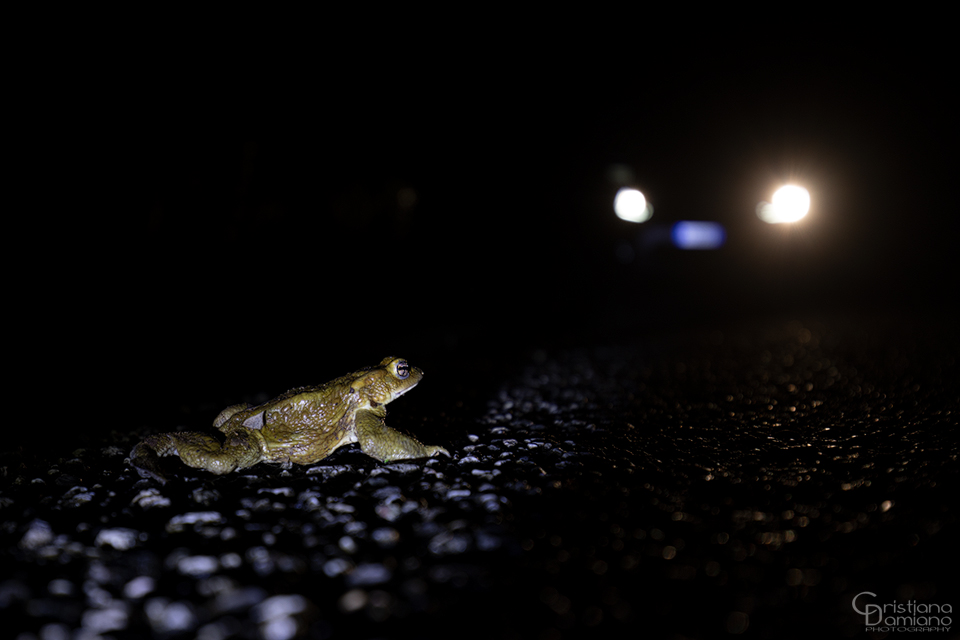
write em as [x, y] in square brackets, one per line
[385, 444]
[195, 450]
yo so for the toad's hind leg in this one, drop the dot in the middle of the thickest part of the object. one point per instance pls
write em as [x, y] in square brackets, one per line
[385, 444]
[195, 450]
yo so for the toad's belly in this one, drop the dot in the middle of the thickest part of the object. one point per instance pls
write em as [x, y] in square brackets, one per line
[309, 448]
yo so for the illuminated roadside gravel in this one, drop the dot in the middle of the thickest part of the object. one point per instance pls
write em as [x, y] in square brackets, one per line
[759, 479]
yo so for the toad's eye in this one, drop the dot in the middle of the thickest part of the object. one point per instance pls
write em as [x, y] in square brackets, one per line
[403, 369]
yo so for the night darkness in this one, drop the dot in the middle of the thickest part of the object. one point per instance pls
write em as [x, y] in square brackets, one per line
[236, 223]
[265, 235]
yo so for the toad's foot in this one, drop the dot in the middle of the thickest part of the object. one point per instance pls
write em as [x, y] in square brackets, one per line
[379, 441]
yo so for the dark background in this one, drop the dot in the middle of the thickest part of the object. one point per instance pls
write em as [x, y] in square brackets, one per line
[249, 219]
[222, 214]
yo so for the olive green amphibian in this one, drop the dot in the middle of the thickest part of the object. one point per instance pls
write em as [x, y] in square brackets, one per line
[301, 426]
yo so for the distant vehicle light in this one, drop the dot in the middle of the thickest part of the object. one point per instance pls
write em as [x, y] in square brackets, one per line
[689, 234]
[790, 203]
[630, 205]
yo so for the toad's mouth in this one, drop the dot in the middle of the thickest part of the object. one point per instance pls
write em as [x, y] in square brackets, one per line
[397, 394]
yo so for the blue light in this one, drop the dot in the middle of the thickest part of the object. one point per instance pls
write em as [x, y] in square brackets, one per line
[688, 234]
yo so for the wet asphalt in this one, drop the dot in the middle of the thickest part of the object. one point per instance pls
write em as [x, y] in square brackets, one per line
[745, 482]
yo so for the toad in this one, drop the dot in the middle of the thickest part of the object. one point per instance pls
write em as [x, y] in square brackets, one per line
[301, 426]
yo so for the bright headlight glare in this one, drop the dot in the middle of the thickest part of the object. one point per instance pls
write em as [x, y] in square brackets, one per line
[790, 203]
[630, 205]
